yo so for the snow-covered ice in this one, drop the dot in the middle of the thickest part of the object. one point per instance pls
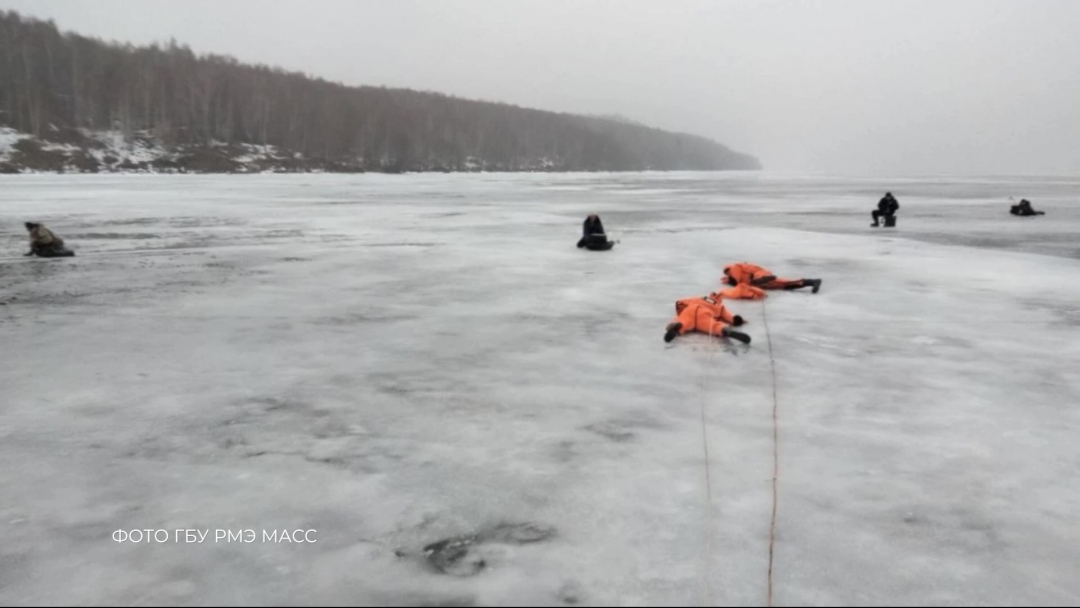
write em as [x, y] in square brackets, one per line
[395, 361]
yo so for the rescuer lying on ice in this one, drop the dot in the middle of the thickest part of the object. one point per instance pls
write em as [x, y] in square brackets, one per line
[745, 273]
[742, 291]
[707, 315]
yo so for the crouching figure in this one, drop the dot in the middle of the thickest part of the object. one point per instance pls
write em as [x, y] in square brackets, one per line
[45, 244]
[593, 237]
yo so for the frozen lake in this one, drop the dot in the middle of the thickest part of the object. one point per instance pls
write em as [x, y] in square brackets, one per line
[394, 361]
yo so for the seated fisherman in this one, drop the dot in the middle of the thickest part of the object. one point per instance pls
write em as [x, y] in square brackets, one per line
[45, 244]
[1024, 209]
[886, 209]
[593, 237]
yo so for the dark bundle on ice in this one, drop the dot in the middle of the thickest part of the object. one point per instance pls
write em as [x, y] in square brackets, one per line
[593, 237]
[1024, 209]
[45, 244]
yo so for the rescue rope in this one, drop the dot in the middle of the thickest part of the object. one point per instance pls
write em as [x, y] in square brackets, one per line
[776, 459]
[711, 349]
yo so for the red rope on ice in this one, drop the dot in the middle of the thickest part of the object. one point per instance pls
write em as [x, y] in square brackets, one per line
[708, 477]
[776, 459]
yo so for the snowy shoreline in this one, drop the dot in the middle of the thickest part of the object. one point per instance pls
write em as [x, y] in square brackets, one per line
[89, 151]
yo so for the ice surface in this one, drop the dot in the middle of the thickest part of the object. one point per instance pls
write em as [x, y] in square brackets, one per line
[399, 361]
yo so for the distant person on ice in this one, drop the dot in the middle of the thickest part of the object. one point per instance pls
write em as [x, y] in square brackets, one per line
[593, 237]
[707, 316]
[1024, 209]
[45, 244]
[745, 273]
[886, 209]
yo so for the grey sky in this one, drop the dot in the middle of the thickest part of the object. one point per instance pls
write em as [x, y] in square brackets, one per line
[854, 87]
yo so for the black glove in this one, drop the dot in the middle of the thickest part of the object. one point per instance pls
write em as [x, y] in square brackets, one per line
[738, 321]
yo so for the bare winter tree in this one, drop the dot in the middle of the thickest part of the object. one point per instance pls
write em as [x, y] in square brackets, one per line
[51, 81]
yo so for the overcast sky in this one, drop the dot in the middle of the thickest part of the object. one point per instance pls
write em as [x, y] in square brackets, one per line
[855, 87]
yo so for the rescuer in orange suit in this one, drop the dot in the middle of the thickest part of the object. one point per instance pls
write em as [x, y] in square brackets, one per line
[707, 315]
[742, 291]
[745, 273]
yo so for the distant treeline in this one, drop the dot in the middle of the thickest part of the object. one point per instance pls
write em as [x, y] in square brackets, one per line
[51, 80]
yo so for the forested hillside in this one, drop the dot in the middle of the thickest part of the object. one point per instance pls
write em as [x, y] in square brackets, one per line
[60, 92]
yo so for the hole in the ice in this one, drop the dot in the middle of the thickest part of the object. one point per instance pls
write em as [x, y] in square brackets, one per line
[611, 431]
[452, 556]
[461, 555]
[520, 534]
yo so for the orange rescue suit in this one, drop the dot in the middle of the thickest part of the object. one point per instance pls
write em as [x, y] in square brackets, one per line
[745, 273]
[742, 291]
[704, 315]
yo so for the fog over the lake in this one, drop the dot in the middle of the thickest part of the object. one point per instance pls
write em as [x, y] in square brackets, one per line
[888, 88]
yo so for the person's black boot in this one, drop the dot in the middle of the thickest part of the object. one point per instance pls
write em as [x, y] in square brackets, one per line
[736, 335]
[672, 331]
[815, 283]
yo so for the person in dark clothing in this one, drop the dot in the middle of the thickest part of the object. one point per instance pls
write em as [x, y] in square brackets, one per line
[1024, 209]
[592, 225]
[45, 244]
[593, 237]
[886, 209]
